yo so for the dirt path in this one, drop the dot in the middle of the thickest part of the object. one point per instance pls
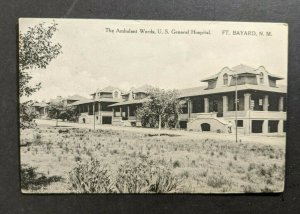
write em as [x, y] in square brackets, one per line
[271, 140]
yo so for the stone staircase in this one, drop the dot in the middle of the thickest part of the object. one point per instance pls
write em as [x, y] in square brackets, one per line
[215, 124]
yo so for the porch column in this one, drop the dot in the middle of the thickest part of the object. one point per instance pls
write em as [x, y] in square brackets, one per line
[128, 111]
[247, 101]
[280, 103]
[121, 111]
[265, 128]
[99, 116]
[94, 108]
[280, 127]
[113, 109]
[225, 103]
[189, 108]
[88, 109]
[206, 105]
[266, 103]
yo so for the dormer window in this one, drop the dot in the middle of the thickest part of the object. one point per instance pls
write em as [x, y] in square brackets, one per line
[133, 96]
[261, 78]
[225, 79]
[116, 94]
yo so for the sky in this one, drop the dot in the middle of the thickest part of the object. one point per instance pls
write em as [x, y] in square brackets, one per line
[93, 58]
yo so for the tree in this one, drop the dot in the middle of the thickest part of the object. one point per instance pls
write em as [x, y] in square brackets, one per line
[58, 109]
[36, 50]
[27, 115]
[161, 109]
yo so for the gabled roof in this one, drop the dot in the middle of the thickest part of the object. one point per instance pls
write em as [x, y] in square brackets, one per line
[241, 69]
[107, 89]
[76, 97]
[143, 89]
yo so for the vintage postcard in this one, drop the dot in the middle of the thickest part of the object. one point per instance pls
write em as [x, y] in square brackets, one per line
[135, 106]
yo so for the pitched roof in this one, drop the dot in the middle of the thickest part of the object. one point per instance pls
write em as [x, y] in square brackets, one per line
[203, 91]
[76, 97]
[113, 100]
[143, 88]
[215, 76]
[81, 102]
[130, 102]
[241, 69]
[107, 89]
[191, 91]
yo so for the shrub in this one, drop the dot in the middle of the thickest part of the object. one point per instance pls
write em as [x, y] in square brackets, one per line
[32, 180]
[217, 181]
[91, 178]
[27, 115]
[144, 176]
[251, 166]
[37, 138]
[248, 189]
[176, 164]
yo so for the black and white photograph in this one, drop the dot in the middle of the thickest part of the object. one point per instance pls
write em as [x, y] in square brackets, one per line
[135, 106]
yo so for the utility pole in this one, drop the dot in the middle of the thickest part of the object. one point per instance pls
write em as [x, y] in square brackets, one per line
[94, 115]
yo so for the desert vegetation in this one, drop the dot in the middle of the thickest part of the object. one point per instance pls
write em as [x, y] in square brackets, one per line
[77, 160]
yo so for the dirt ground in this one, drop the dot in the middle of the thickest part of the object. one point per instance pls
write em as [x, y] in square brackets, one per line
[270, 139]
[205, 162]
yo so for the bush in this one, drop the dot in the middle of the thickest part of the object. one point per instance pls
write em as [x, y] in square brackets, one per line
[27, 115]
[145, 176]
[37, 138]
[176, 164]
[91, 178]
[217, 181]
[32, 180]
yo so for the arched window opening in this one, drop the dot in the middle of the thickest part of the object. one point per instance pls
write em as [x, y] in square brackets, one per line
[261, 78]
[225, 79]
[205, 127]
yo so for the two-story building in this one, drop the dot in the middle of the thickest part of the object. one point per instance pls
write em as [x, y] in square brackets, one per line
[124, 113]
[98, 108]
[260, 106]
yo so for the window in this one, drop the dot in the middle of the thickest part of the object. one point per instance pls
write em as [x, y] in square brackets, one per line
[240, 123]
[116, 94]
[225, 79]
[133, 96]
[261, 78]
